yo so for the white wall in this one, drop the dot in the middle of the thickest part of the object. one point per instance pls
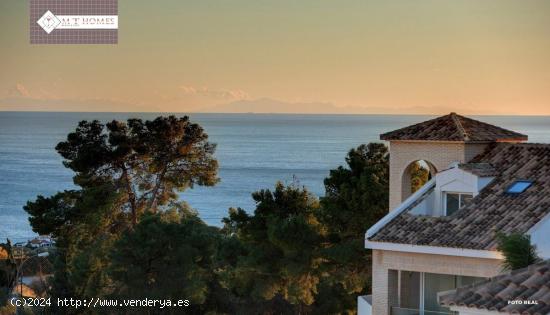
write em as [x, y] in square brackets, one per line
[403, 153]
[426, 206]
[364, 306]
[482, 182]
[384, 260]
[450, 180]
[455, 179]
[540, 237]
[438, 154]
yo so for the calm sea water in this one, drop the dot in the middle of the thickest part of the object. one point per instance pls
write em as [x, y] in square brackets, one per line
[254, 152]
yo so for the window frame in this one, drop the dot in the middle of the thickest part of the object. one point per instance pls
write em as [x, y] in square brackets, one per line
[421, 286]
[460, 194]
[519, 181]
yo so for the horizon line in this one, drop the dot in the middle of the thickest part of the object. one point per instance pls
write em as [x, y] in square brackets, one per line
[270, 113]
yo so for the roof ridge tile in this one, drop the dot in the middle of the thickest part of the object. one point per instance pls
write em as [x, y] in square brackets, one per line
[453, 127]
[456, 120]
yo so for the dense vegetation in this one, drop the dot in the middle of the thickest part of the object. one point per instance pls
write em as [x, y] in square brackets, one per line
[517, 250]
[420, 175]
[7, 276]
[125, 233]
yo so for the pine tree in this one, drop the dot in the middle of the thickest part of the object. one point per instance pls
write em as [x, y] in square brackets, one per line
[124, 171]
[356, 197]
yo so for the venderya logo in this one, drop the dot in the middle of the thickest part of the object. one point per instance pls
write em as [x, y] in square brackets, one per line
[74, 21]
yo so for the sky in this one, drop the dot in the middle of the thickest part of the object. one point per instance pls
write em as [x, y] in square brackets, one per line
[288, 56]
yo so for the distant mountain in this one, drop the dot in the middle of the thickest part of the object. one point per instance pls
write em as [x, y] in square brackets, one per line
[258, 106]
[67, 105]
[267, 106]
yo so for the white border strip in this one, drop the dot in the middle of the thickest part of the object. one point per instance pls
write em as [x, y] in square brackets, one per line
[434, 250]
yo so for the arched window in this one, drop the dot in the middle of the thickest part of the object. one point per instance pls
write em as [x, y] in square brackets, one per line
[416, 174]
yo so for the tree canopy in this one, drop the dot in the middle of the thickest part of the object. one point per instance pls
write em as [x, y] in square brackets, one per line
[419, 176]
[308, 254]
[7, 274]
[167, 256]
[279, 244]
[125, 171]
[124, 233]
[148, 162]
[356, 197]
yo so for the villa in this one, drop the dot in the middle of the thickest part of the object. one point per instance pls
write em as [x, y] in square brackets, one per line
[484, 180]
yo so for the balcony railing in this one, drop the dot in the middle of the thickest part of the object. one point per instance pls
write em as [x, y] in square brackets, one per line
[409, 311]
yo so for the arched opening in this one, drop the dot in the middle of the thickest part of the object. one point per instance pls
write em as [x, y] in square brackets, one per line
[416, 174]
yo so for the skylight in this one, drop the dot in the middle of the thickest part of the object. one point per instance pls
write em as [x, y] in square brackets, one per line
[519, 186]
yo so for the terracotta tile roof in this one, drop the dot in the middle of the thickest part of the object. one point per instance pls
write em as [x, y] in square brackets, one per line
[479, 169]
[529, 284]
[454, 127]
[493, 210]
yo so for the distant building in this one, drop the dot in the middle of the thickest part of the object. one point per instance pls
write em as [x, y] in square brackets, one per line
[41, 241]
[35, 243]
[484, 180]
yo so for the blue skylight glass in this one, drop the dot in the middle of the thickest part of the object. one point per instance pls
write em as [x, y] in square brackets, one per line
[519, 186]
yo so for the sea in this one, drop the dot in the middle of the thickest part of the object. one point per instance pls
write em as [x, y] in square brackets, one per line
[254, 151]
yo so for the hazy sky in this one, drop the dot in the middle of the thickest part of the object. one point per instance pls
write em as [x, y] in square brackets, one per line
[488, 57]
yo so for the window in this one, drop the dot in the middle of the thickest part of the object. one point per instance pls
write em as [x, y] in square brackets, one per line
[435, 283]
[417, 292]
[519, 186]
[455, 201]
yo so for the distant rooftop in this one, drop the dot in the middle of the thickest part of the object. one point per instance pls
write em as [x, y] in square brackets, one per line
[454, 127]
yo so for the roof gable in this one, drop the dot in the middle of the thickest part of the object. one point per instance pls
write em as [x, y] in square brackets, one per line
[454, 127]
